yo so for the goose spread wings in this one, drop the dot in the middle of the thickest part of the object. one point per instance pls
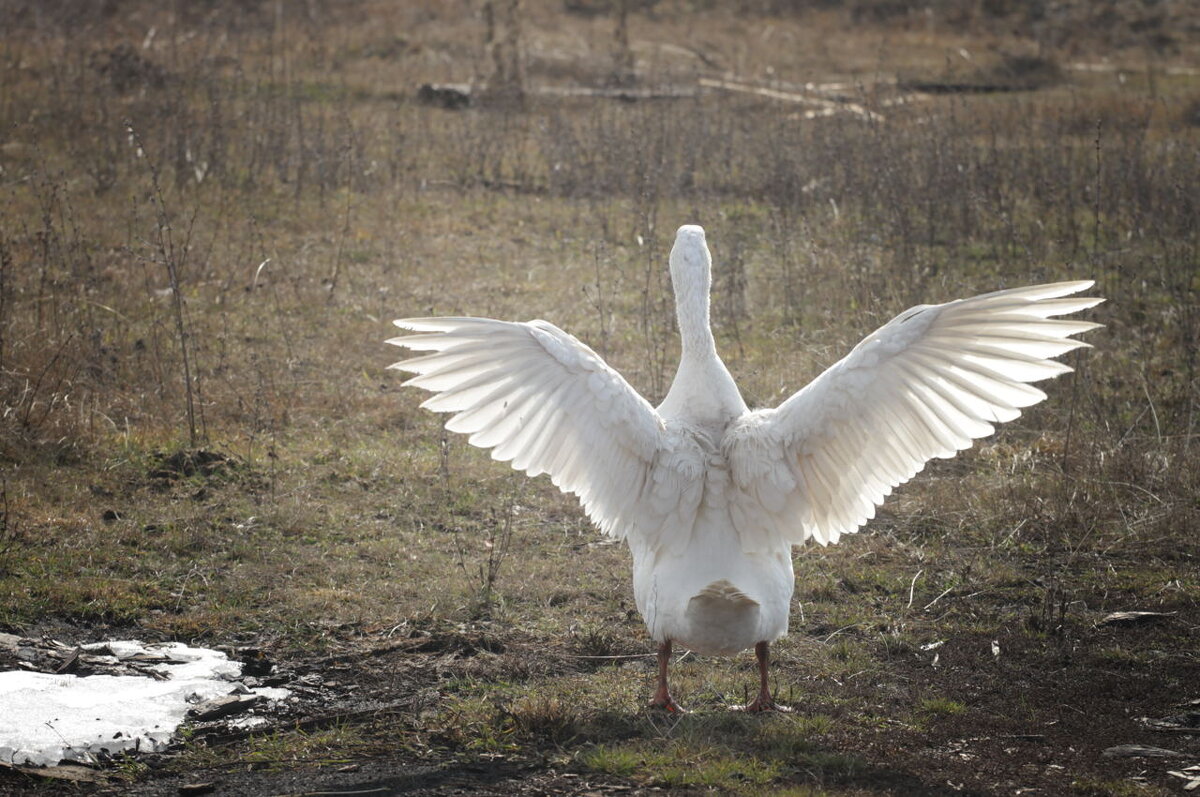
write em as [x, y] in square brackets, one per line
[546, 403]
[924, 385]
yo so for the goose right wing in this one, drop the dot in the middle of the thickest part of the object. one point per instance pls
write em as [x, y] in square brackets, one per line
[924, 385]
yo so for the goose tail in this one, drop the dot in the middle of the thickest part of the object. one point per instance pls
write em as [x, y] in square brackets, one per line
[723, 591]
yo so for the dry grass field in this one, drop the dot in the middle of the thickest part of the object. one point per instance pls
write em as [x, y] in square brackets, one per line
[212, 210]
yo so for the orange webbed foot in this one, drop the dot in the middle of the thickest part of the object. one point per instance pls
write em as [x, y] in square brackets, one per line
[666, 703]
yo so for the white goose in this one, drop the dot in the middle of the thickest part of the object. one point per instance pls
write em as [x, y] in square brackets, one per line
[711, 496]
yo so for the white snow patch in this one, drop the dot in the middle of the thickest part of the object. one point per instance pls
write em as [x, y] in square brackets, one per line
[46, 718]
[251, 723]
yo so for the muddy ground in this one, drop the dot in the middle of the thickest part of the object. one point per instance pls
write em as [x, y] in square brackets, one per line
[1038, 718]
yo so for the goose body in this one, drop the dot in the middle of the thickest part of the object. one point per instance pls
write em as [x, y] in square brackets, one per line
[709, 495]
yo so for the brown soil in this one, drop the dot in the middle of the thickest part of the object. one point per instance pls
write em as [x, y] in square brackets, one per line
[1037, 716]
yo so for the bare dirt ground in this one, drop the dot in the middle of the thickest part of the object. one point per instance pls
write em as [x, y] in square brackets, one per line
[1039, 715]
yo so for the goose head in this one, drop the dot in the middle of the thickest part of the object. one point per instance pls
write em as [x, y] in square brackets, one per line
[691, 262]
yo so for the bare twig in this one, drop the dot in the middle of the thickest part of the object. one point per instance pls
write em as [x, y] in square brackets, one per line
[929, 605]
[912, 587]
[336, 272]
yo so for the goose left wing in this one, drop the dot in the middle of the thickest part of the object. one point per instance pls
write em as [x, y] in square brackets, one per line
[924, 385]
[546, 403]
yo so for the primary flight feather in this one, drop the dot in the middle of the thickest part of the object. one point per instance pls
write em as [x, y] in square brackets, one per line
[709, 495]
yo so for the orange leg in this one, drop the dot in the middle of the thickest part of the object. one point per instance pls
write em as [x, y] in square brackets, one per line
[764, 701]
[662, 696]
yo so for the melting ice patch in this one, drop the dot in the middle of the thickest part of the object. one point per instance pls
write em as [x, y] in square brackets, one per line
[47, 718]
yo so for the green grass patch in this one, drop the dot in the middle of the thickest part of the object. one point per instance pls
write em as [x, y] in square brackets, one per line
[941, 707]
[679, 766]
[725, 751]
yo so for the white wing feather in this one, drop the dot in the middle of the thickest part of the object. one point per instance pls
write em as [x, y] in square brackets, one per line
[924, 385]
[546, 403]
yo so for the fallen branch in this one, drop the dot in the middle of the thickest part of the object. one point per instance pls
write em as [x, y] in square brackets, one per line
[1134, 618]
[72, 772]
[827, 107]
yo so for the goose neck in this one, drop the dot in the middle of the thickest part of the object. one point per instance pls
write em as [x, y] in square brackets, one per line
[695, 331]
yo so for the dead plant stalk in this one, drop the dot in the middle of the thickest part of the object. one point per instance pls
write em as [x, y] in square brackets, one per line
[172, 260]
